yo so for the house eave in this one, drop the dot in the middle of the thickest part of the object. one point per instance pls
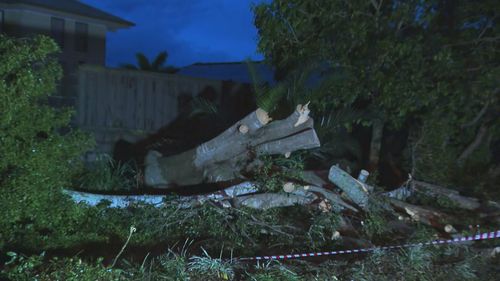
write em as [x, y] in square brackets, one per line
[110, 25]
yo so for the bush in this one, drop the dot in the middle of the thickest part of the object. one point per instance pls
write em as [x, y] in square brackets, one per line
[37, 158]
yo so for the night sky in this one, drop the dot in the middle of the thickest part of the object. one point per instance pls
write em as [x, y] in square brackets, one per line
[190, 30]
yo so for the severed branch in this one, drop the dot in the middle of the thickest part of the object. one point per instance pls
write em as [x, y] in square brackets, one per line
[243, 194]
[425, 215]
[356, 190]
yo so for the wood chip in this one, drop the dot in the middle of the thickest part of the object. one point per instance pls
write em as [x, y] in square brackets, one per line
[289, 187]
[304, 114]
[243, 129]
[263, 116]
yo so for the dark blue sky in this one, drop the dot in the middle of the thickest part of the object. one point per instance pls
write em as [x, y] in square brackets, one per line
[190, 30]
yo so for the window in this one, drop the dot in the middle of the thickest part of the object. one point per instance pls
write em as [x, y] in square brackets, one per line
[2, 21]
[57, 30]
[81, 37]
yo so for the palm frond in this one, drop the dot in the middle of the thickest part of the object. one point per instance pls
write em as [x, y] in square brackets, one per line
[143, 61]
[256, 79]
[201, 106]
[266, 97]
[159, 61]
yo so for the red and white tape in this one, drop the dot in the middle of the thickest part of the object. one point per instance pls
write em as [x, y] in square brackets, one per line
[480, 236]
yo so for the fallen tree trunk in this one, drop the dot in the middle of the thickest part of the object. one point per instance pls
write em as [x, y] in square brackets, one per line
[243, 194]
[227, 155]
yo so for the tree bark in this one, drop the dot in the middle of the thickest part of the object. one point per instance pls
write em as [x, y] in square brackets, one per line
[375, 144]
[474, 145]
[224, 157]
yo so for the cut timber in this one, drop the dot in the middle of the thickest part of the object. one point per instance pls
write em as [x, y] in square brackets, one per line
[354, 189]
[421, 214]
[334, 199]
[435, 191]
[227, 155]
[266, 201]
[115, 201]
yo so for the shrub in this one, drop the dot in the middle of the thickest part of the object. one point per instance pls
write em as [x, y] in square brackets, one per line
[37, 158]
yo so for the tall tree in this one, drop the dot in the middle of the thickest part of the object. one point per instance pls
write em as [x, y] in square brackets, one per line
[428, 65]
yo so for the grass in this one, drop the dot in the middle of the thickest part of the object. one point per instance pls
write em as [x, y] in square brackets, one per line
[105, 174]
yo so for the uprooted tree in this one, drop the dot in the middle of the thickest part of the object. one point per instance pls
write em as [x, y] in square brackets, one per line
[423, 70]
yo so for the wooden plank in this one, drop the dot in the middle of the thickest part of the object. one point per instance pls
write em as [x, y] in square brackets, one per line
[80, 112]
[139, 103]
[93, 99]
[108, 101]
[151, 103]
[121, 100]
[147, 102]
[130, 102]
[156, 108]
[100, 98]
[166, 99]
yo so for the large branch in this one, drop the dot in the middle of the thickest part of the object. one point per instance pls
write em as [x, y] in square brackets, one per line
[225, 156]
[474, 145]
[243, 194]
[355, 189]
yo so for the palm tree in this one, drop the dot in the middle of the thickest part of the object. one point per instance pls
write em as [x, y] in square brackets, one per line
[157, 65]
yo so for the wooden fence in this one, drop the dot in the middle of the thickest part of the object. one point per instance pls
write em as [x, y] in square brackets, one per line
[125, 104]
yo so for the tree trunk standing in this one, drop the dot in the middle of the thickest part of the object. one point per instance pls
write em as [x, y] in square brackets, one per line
[375, 145]
[227, 155]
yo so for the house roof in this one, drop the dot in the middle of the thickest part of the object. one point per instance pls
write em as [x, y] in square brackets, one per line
[233, 71]
[73, 7]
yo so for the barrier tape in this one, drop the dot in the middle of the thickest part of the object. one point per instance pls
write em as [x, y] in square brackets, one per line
[477, 237]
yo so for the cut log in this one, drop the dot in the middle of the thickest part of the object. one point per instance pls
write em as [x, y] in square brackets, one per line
[376, 144]
[266, 201]
[116, 201]
[224, 157]
[424, 215]
[435, 191]
[354, 189]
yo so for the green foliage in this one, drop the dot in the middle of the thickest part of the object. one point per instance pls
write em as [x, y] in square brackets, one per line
[269, 178]
[274, 271]
[212, 269]
[20, 267]
[202, 106]
[39, 152]
[105, 174]
[429, 66]
[322, 229]
[175, 265]
[266, 97]
[419, 263]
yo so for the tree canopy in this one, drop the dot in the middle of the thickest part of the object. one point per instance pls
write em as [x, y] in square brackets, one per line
[430, 65]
